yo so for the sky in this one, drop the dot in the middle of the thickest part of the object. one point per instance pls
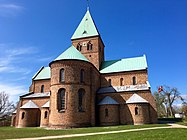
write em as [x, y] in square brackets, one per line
[35, 32]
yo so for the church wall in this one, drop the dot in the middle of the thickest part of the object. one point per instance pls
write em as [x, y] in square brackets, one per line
[141, 78]
[71, 117]
[38, 101]
[143, 114]
[96, 55]
[38, 83]
[44, 117]
[31, 118]
[110, 118]
[125, 114]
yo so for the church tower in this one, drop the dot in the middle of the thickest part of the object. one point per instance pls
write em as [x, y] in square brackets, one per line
[87, 40]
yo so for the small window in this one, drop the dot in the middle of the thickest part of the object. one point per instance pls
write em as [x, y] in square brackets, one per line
[45, 114]
[121, 81]
[110, 82]
[81, 93]
[134, 80]
[82, 76]
[79, 47]
[106, 112]
[136, 110]
[62, 75]
[23, 115]
[42, 89]
[89, 46]
[61, 100]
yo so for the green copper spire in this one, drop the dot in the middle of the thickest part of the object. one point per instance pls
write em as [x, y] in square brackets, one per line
[86, 28]
[71, 53]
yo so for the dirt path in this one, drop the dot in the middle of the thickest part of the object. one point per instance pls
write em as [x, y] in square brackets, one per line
[101, 133]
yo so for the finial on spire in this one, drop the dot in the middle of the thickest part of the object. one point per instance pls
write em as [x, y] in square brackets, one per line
[87, 5]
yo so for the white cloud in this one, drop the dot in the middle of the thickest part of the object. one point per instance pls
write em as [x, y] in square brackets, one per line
[8, 10]
[13, 90]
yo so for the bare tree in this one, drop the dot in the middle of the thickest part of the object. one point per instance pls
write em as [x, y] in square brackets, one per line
[170, 94]
[159, 98]
[6, 107]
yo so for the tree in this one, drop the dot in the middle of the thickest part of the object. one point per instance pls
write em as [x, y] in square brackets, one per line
[159, 98]
[184, 110]
[6, 107]
[170, 95]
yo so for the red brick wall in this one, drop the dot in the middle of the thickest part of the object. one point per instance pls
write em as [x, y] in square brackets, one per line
[143, 114]
[96, 55]
[125, 114]
[38, 83]
[71, 117]
[141, 78]
[113, 115]
[44, 121]
[31, 119]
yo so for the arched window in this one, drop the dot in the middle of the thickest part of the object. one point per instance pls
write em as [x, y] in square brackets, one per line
[81, 93]
[136, 110]
[42, 88]
[61, 75]
[121, 81]
[82, 76]
[110, 82]
[79, 47]
[106, 112]
[23, 115]
[61, 100]
[134, 80]
[45, 114]
[89, 46]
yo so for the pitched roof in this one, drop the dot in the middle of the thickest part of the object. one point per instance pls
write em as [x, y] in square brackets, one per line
[86, 27]
[43, 73]
[128, 64]
[38, 95]
[46, 104]
[71, 53]
[135, 98]
[29, 104]
[108, 101]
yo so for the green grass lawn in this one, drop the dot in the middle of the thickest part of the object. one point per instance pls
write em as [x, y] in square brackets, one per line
[160, 134]
[11, 132]
[183, 123]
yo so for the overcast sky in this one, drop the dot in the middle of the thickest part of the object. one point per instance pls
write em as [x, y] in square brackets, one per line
[34, 32]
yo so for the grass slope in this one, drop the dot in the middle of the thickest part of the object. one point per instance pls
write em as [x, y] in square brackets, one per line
[11, 132]
[160, 134]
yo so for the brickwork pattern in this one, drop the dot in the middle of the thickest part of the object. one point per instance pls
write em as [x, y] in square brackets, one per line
[112, 118]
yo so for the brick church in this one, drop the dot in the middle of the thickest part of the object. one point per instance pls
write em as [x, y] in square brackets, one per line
[80, 88]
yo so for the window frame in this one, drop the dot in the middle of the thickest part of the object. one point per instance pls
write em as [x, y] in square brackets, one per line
[81, 94]
[134, 80]
[62, 75]
[45, 114]
[89, 46]
[22, 115]
[106, 112]
[136, 111]
[121, 81]
[61, 100]
[42, 88]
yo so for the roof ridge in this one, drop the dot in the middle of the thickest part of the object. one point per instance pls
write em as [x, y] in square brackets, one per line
[71, 53]
[86, 27]
[127, 58]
